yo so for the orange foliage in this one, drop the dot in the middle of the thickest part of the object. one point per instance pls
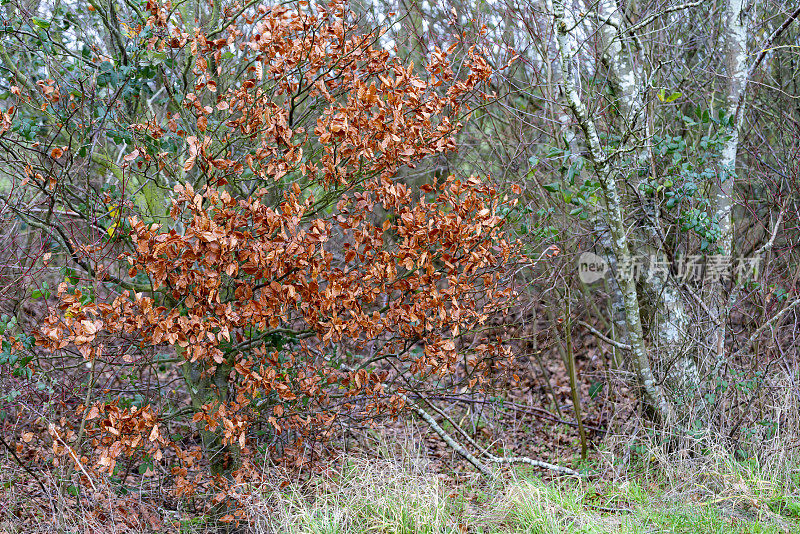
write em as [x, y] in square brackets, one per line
[264, 290]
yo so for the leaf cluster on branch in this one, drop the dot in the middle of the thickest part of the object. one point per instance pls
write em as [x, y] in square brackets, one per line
[290, 244]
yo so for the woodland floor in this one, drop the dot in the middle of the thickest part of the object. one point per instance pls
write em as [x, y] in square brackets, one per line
[403, 478]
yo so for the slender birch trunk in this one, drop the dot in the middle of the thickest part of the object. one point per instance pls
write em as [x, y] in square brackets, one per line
[622, 53]
[607, 176]
[737, 23]
[566, 133]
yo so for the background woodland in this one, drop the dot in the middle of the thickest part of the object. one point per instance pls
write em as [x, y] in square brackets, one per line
[246, 245]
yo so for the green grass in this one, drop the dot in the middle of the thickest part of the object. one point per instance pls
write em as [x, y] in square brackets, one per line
[536, 507]
[365, 496]
[396, 491]
[400, 497]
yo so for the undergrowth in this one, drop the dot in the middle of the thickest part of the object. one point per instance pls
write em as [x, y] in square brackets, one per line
[396, 491]
[399, 493]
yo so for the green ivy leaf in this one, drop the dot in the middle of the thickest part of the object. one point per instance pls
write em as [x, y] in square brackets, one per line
[553, 187]
[596, 388]
[41, 23]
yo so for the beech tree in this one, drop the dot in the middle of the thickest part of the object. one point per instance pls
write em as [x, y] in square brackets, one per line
[296, 280]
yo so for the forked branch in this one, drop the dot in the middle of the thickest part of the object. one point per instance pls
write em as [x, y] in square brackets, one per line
[460, 449]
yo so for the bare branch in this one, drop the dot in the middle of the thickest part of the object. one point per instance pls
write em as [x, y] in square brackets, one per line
[599, 334]
[647, 20]
[469, 456]
[767, 45]
[446, 437]
[772, 320]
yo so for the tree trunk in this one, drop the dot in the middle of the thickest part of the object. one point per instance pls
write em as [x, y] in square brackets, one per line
[211, 391]
[607, 176]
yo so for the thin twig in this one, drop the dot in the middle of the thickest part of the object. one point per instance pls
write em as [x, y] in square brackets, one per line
[541, 412]
[447, 439]
[75, 459]
[602, 336]
[24, 466]
[647, 20]
[768, 245]
[767, 324]
[489, 456]
[767, 44]
[573, 379]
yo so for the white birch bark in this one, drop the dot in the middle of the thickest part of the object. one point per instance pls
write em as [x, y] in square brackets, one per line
[737, 23]
[566, 131]
[621, 52]
[736, 28]
[607, 177]
[612, 50]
